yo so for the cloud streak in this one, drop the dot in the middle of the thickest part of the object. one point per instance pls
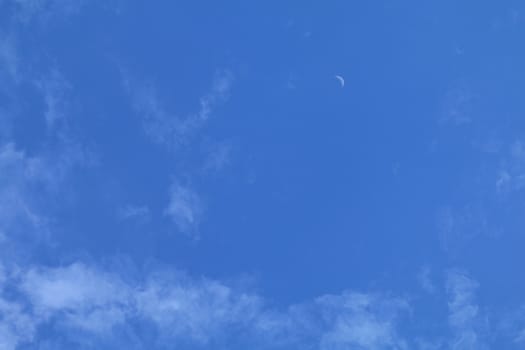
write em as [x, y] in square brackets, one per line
[167, 128]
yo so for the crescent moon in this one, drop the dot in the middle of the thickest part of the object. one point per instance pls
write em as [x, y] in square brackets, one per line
[341, 80]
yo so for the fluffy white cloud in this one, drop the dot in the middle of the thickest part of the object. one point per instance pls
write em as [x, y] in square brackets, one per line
[182, 309]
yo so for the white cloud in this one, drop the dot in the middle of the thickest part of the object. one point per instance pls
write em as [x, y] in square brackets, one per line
[511, 177]
[459, 226]
[85, 298]
[218, 157]
[167, 128]
[54, 88]
[178, 309]
[77, 296]
[9, 60]
[16, 172]
[43, 10]
[361, 321]
[16, 326]
[425, 280]
[182, 309]
[458, 105]
[199, 311]
[137, 212]
[25, 180]
[465, 317]
[503, 182]
[75, 287]
[29, 187]
[185, 208]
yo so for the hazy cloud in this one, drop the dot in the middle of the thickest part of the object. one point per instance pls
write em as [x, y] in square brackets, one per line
[9, 61]
[185, 208]
[458, 105]
[43, 10]
[54, 89]
[465, 317]
[218, 156]
[168, 128]
[425, 280]
[141, 213]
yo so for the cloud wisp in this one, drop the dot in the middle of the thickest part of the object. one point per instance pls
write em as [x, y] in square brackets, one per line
[169, 129]
[185, 209]
[465, 317]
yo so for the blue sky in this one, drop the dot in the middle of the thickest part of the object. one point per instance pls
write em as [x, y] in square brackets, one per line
[192, 175]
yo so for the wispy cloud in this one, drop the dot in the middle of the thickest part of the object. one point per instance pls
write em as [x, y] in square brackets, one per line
[168, 128]
[54, 89]
[134, 212]
[511, 176]
[185, 208]
[361, 321]
[218, 156]
[30, 182]
[173, 131]
[17, 173]
[425, 280]
[458, 105]
[43, 10]
[30, 187]
[465, 318]
[9, 60]
[459, 226]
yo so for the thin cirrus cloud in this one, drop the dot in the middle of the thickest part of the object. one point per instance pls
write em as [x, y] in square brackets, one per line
[185, 209]
[54, 89]
[9, 59]
[134, 212]
[31, 185]
[33, 178]
[167, 128]
[26, 11]
[19, 175]
[511, 176]
[465, 317]
[458, 105]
